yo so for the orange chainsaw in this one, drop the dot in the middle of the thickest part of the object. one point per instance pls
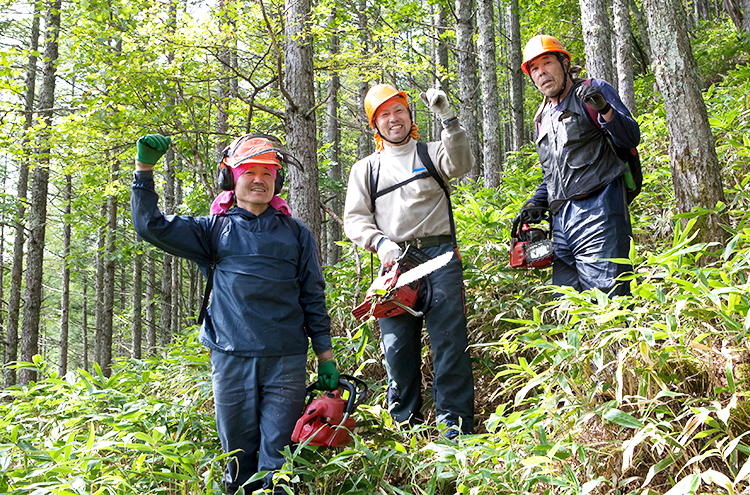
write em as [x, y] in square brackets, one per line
[396, 290]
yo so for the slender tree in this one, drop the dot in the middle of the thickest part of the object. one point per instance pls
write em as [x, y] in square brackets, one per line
[492, 146]
[640, 21]
[85, 322]
[65, 295]
[150, 302]
[99, 285]
[136, 326]
[38, 212]
[166, 297]
[108, 292]
[466, 70]
[696, 172]
[333, 137]
[16, 271]
[441, 59]
[516, 76]
[364, 138]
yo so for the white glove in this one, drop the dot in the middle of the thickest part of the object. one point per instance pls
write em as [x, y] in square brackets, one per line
[388, 252]
[437, 102]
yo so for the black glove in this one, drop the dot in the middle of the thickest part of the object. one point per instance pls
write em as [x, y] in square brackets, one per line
[594, 98]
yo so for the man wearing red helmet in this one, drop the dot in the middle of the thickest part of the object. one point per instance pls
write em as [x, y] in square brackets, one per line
[268, 300]
[394, 200]
[585, 182]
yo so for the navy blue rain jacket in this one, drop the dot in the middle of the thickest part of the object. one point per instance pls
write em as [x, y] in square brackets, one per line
[269, 293]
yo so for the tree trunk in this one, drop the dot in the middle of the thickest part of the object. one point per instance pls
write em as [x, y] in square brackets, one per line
[166, 300]
[300, 114]
[16, 271]
[441, 60]
[177, 266]
[365, 145]
[85, 323]
[625, 86]
[150, 303]
[333, 136]
[467, 68]
[223, 91]
[596, 33]
[136, 328]
[731, 8]
[99, 287]
[492, 146]
[193, 295]
[640, 21]
[745, 7]
[516, 76]
[696, 171]
[38, 212]
[65, 289]
[108, 292]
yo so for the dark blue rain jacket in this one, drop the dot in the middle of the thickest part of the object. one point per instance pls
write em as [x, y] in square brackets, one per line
[269, 293]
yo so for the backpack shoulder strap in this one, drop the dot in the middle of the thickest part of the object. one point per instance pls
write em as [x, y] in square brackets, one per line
[374, 176]
[424, 156]
[217, 226]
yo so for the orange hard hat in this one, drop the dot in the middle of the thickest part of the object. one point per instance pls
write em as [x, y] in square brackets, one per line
[539, 45]
[379, 94]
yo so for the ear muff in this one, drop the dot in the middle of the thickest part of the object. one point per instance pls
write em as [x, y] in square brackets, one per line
[224, 173]
[279, 184]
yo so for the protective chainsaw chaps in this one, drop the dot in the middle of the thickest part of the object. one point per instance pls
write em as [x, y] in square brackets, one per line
[397, 291]
[327, 420]
[530, 246]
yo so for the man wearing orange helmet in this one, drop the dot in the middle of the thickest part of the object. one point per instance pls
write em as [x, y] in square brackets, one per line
[399, 196]
[580, 124]
[268, 299]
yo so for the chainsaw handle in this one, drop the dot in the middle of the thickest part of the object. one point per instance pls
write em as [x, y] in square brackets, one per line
[345, 381]
[355, 398]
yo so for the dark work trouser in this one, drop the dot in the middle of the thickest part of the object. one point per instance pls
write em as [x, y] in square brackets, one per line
[445, 319]
[258, 401]
[588, 231]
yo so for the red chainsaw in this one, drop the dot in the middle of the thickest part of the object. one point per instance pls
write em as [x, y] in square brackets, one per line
[396, 290]
[327, 421]
[530, 244]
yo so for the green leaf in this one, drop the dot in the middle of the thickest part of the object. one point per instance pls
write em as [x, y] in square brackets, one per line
[622, 418]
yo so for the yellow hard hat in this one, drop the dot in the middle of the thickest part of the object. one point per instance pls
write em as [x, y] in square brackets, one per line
[539, 45]
[379, 94]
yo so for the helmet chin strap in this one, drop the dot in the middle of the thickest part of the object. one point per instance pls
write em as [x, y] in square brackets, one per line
[565, 81]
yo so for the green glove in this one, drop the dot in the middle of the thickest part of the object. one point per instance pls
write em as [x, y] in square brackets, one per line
[151, 147]
[328, 376]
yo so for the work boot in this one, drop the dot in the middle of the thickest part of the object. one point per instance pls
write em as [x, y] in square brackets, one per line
[451, 431]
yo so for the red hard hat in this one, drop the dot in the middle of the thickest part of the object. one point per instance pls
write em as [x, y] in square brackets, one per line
[538, 46]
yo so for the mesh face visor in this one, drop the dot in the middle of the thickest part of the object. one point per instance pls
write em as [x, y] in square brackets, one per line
[280, 154]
